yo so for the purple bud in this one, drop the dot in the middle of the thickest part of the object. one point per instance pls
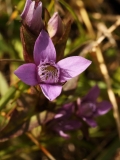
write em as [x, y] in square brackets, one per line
[55, 26]
[32, 15]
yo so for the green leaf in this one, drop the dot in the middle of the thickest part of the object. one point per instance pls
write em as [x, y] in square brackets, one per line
[11, 93]
[3, 122]
[108, 153]
[3, 84]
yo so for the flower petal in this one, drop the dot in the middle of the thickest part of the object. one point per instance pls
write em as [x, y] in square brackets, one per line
[103, 107]
[36, 22]
[26, 8]
[65, 111]
[91, 122]
[30, 12]
[67, 125]
[51, 91]
[92, 95]
[44, 48]
[62, 134]
[27, 73]
[72, 66]
[55, 26]
[71, 125]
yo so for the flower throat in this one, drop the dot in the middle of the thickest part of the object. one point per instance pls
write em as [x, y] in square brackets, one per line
[48, 73]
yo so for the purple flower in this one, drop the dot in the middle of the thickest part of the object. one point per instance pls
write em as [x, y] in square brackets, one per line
[32, 15]
[89, 108]
[55, 26]
[62, 121]
[46, 72]
[65, 111]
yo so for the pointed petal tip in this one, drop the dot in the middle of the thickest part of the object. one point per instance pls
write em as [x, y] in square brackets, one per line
[27, 73]
[53, 16]
[90, 121]
[103, 107]
[92, 94]
[73, 66]
[40, 3]
[64, 135]
[88, 62]
[51, 92]
[44, 48]
[26, 8]
[55, 26]
[36, 21]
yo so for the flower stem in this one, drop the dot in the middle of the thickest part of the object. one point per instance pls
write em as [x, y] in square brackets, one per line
[40, 146]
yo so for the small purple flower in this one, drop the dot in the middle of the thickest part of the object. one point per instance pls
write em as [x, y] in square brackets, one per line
[63, 122]
[89, 108]
[32, 15]
[55, 26]
[46, 72]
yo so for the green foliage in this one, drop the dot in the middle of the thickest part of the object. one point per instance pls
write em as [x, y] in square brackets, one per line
[24, 109]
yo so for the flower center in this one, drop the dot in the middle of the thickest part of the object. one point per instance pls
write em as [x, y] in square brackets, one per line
[88, 109]
[48, 72]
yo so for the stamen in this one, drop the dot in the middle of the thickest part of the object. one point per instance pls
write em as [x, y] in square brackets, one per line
[48, 72]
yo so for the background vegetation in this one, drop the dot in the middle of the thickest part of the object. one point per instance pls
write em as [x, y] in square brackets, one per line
[95, 34]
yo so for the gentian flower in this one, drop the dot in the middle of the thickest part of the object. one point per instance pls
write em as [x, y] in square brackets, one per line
[65, 111]
[55, 26]
[89, 108]
[62, 121]
[32, 15]
[46, 72]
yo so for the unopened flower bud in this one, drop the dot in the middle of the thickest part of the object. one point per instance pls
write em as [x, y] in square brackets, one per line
[55, 26]
[32, 15]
